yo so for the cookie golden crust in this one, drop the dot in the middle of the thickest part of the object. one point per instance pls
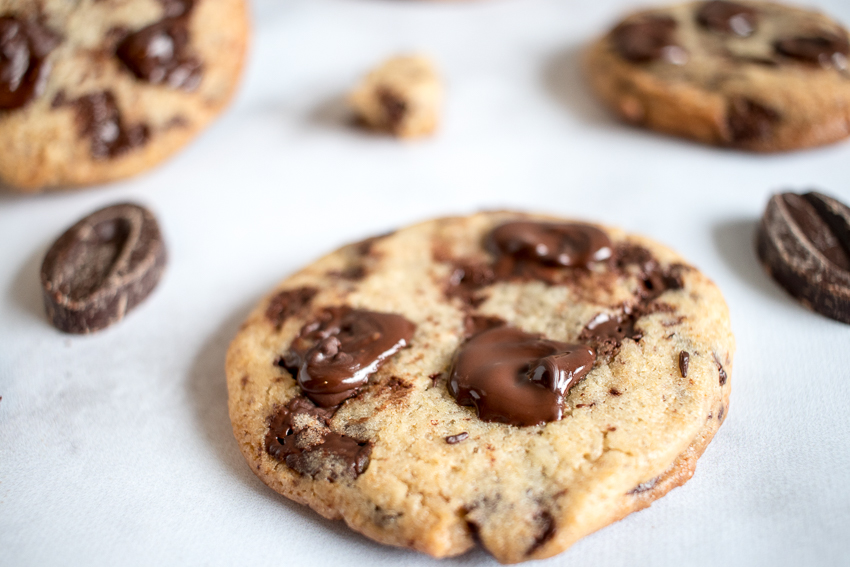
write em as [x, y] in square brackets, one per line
[757, 76]
[102, 113]
[410, 467]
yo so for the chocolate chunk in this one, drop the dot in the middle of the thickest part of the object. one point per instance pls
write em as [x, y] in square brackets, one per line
[827, 50]
[159, 53]
[306, 448]
[101, 268]
[804, 243]
[606, 332]
[649, 39]
[99, 118]
[288, 303]
[750, 121]
[728, 17]
[684, 360]
[455, 439]
[655, 280]
[466, 279]
[515, 377]
[24, 47]
[395, 108]
[336, 353]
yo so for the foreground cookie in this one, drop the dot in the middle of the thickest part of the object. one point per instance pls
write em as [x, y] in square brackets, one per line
[101, 268]
[804, 243]
[98, 90]
[509, 379]
[401, 97]
[753, 75]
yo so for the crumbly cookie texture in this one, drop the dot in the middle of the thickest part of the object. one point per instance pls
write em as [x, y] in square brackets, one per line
[115, 86]
[758, 76]
[403, 463]
[402, 97]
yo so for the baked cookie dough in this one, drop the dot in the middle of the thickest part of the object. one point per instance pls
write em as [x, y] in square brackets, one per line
[758, 76]
[513, 380]
[97, 90]
[402, 97]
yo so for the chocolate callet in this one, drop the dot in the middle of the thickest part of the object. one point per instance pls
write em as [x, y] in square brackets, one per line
[728, 17]
[684, 360]
[804, 242]
[826, 50]
[395, 108]
[287, 303]
[517, 378]
[336, 353]
[24, 47]
[298, 443]
[102, 267]
[455, 439]
[749, 120]
[99, 118]
[648, 39]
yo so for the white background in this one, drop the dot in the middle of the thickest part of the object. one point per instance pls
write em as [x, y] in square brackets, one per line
[116, 448]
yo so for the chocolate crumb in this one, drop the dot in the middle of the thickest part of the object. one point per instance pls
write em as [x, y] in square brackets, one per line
[615, 392]
[455, 439]
[684, 360]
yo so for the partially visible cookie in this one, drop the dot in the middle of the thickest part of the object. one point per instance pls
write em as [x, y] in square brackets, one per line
[98, 90]
[758, 76]
[401, 97]
[513, 380]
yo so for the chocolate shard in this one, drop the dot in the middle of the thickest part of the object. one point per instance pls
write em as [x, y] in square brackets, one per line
[24, 47]
[804, 243]
[102, 267]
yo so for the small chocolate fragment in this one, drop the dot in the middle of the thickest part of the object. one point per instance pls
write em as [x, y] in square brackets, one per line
[649, 39]
[684, 360]
[288, 303]
[466, 279]
[159, 53]
[826, 50]
[455, 439]
[517, 378]
[720, 371]
[655, 279]
[645, 486]
[99, 118]
[305, 449]
[749, 120]
[395, 108]
[101, 268]
[546, 529]
[24, 47]
[804, 243]
[336, 353]
[606, 332]
[727, 17]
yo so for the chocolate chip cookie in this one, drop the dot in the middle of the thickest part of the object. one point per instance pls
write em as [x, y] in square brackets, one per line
[97, 90]
[757, 76]
[506, 379]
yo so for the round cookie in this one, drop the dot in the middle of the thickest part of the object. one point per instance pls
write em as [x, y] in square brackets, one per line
[97, 90]
[345, 384]
[758, 76]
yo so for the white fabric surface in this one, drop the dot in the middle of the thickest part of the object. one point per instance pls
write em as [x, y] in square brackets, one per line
[116, 448]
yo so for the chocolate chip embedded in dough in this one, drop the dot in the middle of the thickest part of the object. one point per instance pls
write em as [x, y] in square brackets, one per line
[827, 49]
[804, 243]
[684, 361]
[101, 268]
[287, 303]
[24, 47]
[649, 39]
[750, 121]
[728, 17]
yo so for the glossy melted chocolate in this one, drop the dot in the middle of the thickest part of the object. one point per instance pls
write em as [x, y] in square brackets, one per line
[336, 354]
[24, 47]
[518, 378]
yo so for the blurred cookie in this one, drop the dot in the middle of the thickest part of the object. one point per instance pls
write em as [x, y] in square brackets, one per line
[758, 76]
[98, 90]
[514, 380]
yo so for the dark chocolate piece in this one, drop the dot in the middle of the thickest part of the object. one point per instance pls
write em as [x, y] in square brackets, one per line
[101, 268]
[804, 243]
[684, 361]
[749, 120]
[606, 332]
[306, 449]
[826, 50]
[455, 439]
[336, 353]
[288, 303]
[159, 53]
[649, 39]
[655, 280]
[24, 47]
[720, 371]
[395, 109]
[515, 377]
[99, 118]
[728, 17]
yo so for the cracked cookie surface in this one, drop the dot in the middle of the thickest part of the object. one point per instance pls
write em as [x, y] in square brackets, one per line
[758, 76]
[401, 461]
[97, 90]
